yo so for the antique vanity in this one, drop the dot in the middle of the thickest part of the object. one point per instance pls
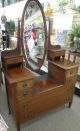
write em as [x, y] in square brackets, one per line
[30, 94]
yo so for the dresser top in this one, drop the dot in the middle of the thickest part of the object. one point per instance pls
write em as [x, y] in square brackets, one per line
[65, 64]
[18, 74]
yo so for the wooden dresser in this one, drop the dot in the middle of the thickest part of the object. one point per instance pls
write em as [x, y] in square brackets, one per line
[29, 95]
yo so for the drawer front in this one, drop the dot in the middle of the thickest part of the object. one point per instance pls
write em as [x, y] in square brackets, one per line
[45, 105]
[23, 86]
[44, 102]
[71, 72]
[16, 60]
[70, 83]
[47, 96]
[35, 96]
[24, 94]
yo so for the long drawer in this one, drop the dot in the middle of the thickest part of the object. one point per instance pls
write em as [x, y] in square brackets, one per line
[38, 95]
[42, 104]
[36, 99]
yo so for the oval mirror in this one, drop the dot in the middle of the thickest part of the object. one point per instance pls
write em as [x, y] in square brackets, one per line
[33, 34]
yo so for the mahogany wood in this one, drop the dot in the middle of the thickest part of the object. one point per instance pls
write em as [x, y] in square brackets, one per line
[30, 96]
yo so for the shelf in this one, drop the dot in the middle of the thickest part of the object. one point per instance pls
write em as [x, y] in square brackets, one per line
[64, 64]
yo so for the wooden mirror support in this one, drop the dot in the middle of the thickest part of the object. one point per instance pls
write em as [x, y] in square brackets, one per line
[10, 57]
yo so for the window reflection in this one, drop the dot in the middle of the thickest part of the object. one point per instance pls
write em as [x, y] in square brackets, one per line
[62, 24]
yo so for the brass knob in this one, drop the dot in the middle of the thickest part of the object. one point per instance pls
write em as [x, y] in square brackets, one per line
[25, 85]
[25, 94]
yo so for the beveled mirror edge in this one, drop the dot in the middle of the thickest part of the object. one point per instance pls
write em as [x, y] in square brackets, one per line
[45, 33]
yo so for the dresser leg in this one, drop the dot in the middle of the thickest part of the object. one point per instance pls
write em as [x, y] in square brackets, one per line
[7, 97]
[18, 127]
[70, 103]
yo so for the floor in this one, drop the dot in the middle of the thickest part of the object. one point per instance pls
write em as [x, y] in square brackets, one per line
[61, 119]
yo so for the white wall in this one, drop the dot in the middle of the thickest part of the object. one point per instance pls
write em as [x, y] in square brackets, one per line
[13, 11]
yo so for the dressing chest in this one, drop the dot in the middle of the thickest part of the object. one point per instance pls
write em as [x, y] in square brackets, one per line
[29, 96]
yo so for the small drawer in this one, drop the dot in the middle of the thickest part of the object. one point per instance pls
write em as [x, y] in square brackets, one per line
[14, 59]
[23, 93]
[23, 86]
[71, 73]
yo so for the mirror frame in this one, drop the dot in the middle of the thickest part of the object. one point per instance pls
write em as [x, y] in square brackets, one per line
[45, 33]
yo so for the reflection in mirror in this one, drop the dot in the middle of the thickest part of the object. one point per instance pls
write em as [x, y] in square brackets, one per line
[13, 43]
[9, 34]
[14, 35]
[34, 34]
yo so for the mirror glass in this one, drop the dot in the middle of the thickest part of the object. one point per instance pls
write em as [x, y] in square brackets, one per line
[33, 28]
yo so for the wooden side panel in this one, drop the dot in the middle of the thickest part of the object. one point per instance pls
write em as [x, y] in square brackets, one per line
[56, 72]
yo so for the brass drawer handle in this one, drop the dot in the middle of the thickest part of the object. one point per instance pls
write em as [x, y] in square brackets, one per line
[26, 94]
[25, 85]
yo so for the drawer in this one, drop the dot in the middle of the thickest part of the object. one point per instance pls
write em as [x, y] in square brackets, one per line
[48, 95]
[70, 82]
[45, 105]
[71, 72]
[14, 59]
[37, 97]
[42, 104]
[23, 86]
[23, 94]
